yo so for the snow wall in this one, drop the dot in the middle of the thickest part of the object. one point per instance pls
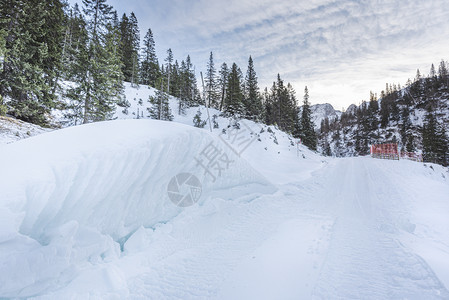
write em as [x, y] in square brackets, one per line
[77, 194]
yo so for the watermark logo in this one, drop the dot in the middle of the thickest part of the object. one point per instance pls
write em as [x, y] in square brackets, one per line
[213, 160]
[184, 189]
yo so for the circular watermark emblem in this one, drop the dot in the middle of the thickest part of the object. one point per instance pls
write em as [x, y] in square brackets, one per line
[184, 189]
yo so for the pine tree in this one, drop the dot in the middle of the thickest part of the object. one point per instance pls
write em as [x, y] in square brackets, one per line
[76, 59]
[197, 122]
[442, 146]
[150, 66]
[212, 89]
[292, 107]
[442, 71]
[297, 124]
[434, 140]
[130, 44]
[234, 96]
[281, 106]
[53, 38]
[406, 130]
[75, 42]
[110, 81]
[100, 85]
[308, 135]
[192, 93]
[222, 84]
[32, 56]
[253, 103]
[175, 80]
[183, 100]
[372, 120]
[160, 106]
[169, 69]
[135, 34]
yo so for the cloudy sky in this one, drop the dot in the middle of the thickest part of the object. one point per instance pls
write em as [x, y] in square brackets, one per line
[340, 49]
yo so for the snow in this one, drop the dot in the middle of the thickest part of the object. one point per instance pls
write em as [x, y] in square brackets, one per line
[12, 130]
[322, 111]
[84, 190]
[85, 213]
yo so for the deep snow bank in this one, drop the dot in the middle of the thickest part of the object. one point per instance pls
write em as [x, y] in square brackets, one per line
[73, 195]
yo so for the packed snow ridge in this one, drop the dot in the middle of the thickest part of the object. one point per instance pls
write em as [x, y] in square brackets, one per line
[98, 182]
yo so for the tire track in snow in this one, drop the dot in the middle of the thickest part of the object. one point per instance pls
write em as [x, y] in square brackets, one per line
[364, 261]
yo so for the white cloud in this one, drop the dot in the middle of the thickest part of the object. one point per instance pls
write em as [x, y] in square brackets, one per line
[341, 49]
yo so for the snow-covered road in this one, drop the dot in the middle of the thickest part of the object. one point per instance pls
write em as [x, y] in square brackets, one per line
[365, 258]
[342, 233]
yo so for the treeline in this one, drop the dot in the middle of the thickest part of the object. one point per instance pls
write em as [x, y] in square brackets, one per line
[45, 43]
[394, 117]
[237, 95]
[75, 60]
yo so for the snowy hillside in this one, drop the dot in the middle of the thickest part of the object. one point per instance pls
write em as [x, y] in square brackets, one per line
[12, 130]
[399, 117]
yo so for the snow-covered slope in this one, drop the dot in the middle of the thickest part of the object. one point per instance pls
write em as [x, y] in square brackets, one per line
[12, 130]
[270, 148]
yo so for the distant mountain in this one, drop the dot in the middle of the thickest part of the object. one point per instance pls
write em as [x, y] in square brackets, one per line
[322, 111]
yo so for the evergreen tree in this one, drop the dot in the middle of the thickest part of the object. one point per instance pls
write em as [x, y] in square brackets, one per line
[192, 93]
[160, 106]
[175, 80]
[33, 33]
[234, 96]
[184, 90]
[169, 69]
[130, 44]
[53, 33]
[280, 106]
[429, 137]
[384, 111]
[101, 83]
[150, 66]
[297, 124]
[292, 109]
[405, 129]
[434, 140]
[197, 122]
[74, 48]
[135, 34]
[212, 89]
[109, 82]
[442, 70]
[373, 121]
[308, 135]
[222, 83]
[442, 145]
[253, 103]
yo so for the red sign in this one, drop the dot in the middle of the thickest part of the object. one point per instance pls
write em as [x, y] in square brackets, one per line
[386, 151]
